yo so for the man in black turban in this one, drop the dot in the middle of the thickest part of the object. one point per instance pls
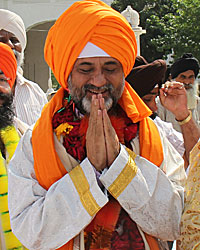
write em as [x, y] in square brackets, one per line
[146, 79]
[184, 70]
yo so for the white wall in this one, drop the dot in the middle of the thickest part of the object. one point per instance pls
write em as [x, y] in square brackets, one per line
[37, 11]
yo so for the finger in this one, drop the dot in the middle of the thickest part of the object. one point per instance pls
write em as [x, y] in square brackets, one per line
[111, 139]
[92, 118]
[162, 96]
[101, 102]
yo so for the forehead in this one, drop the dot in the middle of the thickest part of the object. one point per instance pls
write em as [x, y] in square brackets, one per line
[96, 61]
[153, 92]
[186, 73]
[5, 33]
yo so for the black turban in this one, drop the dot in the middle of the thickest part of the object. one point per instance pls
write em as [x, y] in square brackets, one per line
[140, 60]
[146, 76]
[186, 62]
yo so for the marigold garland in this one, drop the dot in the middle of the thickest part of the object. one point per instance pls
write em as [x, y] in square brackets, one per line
[10, 139]
[62, 129]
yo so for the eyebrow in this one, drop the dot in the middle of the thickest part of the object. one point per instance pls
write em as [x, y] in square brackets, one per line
[90, 63]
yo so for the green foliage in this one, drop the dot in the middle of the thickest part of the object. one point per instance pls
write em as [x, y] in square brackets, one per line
[171, 26]
[55, 84]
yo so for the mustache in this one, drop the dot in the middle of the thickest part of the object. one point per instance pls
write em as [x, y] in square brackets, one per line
[106, 87]
[7, 98]
[188, 86]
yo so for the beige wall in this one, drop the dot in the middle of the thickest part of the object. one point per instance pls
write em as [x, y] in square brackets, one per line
[35, 67]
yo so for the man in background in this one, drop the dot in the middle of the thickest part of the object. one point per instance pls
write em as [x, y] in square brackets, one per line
[29, 98]
[185, 71]
[8, 142]
[146, 79]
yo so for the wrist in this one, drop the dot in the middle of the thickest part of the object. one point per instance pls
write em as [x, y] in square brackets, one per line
[186, 118]
[182, 114]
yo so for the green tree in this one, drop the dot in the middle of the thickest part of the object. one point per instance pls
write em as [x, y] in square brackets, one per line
[182, 32]
[151, 19]
[172, 26]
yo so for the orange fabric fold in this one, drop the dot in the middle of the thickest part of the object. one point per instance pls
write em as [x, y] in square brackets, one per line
[8, 63]
[96, 22]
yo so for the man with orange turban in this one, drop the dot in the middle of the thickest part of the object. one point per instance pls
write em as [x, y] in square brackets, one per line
[94, 172]
[8, 142]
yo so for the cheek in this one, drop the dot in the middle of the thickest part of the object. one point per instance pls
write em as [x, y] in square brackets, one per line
[18, 47]
[5, 89]
[117, 81]
[79, 81]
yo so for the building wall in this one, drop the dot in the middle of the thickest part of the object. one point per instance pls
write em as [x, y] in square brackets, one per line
[35, 67]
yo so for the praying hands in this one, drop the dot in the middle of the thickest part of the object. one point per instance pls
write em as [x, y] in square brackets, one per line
[102, 143]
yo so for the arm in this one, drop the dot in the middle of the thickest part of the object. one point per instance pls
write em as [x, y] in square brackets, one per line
[48, 219]
[191, 134]
[173, 97]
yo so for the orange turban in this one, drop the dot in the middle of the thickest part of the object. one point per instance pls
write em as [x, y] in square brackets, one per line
[8, 63]
[88, 21]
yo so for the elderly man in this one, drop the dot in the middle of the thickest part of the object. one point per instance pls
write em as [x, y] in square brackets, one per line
[184, 70]
[29, 98]
[94, 172]
[146, 79]
[8, 142]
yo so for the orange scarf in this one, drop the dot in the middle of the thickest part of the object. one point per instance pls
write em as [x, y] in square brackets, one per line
[150, 145]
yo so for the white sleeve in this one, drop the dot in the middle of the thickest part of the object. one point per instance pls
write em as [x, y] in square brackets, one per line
[148, 195]
[48, 219]
[173, 136]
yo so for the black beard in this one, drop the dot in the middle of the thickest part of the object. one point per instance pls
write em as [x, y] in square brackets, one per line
[6, 110]
[153, 115]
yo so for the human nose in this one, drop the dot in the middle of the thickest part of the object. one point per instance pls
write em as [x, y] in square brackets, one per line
[98, 79]
[187, 81]
[10, 44]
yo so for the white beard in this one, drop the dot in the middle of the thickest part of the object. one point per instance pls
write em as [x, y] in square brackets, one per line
[86, 103]
[19, 57]
[192, 96]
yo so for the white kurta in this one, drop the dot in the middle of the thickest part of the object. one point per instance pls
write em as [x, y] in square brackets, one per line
[29, 100]
[46, 220]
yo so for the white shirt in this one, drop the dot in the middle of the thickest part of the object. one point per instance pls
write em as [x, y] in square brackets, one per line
[46, 220]
[29, 100]
[173, 136]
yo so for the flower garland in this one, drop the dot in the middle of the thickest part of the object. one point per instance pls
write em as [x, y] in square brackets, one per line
[68, 123]
[10, 139]
[72, 126]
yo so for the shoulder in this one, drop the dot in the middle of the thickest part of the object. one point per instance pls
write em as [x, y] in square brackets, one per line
[32, 84]
[26, 86]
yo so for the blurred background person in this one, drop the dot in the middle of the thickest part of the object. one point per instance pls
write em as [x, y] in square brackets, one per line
[9, 139]
[29, 98]
[184, 70]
